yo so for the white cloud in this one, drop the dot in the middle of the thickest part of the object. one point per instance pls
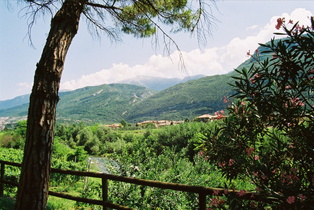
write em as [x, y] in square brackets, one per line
[253, 27]
[302, 15]
[211, 61]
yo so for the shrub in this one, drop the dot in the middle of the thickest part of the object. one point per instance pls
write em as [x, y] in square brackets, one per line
[268, 135]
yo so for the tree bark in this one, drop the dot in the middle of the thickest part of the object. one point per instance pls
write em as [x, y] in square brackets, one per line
[34, 179]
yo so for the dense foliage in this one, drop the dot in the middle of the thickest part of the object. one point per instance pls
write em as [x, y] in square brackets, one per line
[268, 135]
[162, 154]
[11, 149]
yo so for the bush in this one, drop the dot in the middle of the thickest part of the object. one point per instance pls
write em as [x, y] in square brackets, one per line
[268, 135]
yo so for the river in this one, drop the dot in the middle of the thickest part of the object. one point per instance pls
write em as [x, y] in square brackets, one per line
[104, 165]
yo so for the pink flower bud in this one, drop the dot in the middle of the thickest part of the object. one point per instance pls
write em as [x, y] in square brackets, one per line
[291, 199]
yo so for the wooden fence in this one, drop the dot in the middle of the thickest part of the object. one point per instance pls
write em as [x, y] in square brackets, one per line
[201, 191]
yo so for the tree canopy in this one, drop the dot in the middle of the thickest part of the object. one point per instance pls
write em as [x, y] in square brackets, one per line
[140, 18]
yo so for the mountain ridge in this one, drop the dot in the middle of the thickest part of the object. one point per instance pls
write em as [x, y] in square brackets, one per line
[114, 102]
[159, 83]
[153, 83]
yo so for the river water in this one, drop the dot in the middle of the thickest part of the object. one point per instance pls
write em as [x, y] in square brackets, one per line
[104, 165]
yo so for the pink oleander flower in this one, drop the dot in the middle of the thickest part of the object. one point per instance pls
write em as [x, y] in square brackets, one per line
[226, 100]
[219, 114]
[249, 151]
[291, 199]
[241, 193]
[255, 76]
[221, 164]
[302, 196]
[256, 157]
[216, 192]
[216, 202]
[280, 22]
[298, 28]
[231, 162]
[296, 102]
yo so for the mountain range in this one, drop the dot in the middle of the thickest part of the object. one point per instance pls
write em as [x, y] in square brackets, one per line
[138, 100]
[153, 83]
[113, 102]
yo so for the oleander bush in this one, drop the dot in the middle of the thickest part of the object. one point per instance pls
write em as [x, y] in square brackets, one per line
[268, 134]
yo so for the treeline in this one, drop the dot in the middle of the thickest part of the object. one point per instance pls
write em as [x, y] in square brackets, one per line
[101, 140]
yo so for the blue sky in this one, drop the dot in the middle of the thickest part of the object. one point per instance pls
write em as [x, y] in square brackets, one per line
[239, 27]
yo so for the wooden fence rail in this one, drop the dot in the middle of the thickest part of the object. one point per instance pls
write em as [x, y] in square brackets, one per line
[201, 191]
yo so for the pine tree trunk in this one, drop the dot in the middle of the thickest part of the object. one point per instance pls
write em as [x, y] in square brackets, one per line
[34, 180]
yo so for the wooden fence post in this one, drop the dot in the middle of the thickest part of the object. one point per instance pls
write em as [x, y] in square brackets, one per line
[104, 191]
[2, 178]
[202, 201]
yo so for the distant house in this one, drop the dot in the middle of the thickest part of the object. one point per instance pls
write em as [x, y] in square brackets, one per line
[158, 123]
[208, 117]
[177, 122]
[2, 127]
[113, 126]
